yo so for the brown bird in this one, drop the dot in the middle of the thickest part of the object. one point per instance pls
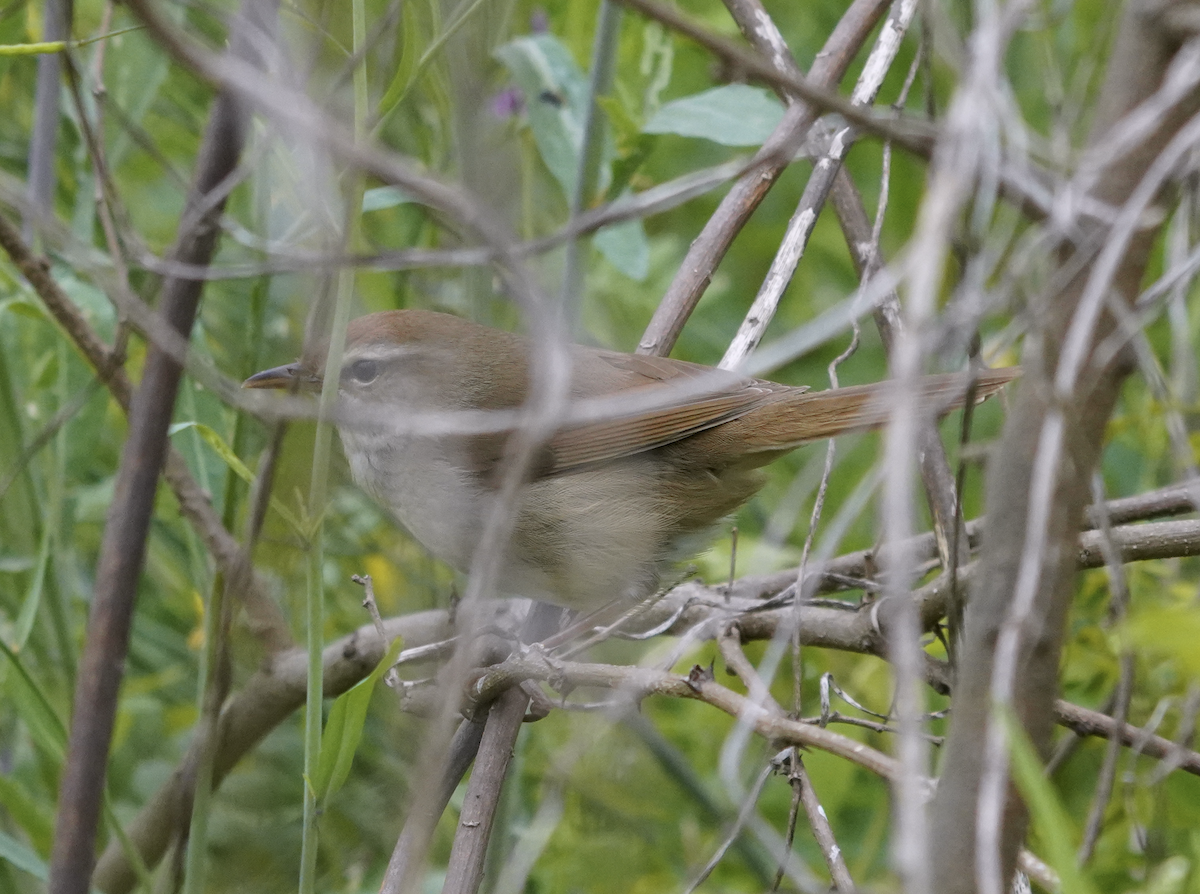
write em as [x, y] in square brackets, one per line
[651, 455]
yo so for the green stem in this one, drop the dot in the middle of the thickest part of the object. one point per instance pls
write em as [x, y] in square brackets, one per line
[591, 155]
[318, 489]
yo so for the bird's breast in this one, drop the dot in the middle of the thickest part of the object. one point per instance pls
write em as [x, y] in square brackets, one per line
[417, 480]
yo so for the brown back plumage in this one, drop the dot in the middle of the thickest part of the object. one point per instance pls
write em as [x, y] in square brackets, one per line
[625, 404]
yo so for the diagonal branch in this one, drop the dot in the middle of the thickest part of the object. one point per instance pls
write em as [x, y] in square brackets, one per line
[124, 544]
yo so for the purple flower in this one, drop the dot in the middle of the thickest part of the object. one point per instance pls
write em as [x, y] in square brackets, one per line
[539, 22]
[508, 103]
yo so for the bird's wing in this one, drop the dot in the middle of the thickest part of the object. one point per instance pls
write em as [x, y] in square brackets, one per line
[628, 404]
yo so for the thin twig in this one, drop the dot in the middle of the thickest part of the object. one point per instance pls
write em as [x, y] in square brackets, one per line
[710, 246]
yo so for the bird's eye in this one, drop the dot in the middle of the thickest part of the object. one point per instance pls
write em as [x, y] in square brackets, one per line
[364, 372]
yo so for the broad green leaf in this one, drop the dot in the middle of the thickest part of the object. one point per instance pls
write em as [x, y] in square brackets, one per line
[24, 308]
[556, 95]
[733, 115]
[556, 99]
[626, 248]
[343, 730]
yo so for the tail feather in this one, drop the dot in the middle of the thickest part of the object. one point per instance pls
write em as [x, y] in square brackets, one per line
[838, 411]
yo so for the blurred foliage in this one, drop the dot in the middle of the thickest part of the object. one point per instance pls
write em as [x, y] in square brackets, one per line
[445, 99]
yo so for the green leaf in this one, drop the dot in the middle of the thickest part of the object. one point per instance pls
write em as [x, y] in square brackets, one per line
[46, 728]
[33, 598]
[24, 308]
[1050, 819]
[231, 459]
[734, 115]
[626, 248]
[1169, 877]
[32, 814]
[410, 69]
[382, 197]
[556, 95]
[1169, 631]
[134, 77]
[343, 730]
[556, 99]
[22, 857]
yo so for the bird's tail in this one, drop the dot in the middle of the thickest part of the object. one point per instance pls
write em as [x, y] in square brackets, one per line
[826, 414]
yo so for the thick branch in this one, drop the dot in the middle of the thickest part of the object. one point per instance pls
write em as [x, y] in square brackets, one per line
[123, 547]
[1038, 485]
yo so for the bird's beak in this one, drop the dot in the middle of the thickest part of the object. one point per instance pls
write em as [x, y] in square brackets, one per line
[293, 375]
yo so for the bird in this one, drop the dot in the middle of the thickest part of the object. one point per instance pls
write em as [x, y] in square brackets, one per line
[648, 459]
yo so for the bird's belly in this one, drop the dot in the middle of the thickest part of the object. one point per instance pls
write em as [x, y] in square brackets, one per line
[580, 539]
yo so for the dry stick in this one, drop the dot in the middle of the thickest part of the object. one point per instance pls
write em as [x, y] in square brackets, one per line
[369, 603]
[464, 745]
[1184, 735]
[818, 820]
[931, 452]
[935, 469]
[266, 700]
[861, 628]
[266, 620]
[1175, 499]
[1038, 485]
[272, 695]
[43, 141]
[730, 644]
[710, 246]
[1069, 744]
[1136, 543]
[1085, 722]
[758, 27]
[714, 240]
[467, 857]
[655, 200]
[123, 548]
[734, 831]
[640, 682]
[1119, 587]
[912, 134]
[798, 775]
[942, 498]
[792, 819]
[464, 870]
